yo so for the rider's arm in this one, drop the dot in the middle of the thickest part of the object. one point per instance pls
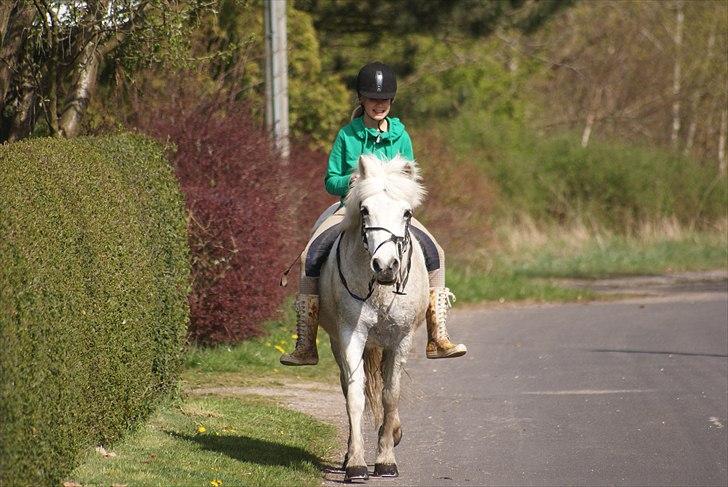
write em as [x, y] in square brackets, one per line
[337, 180]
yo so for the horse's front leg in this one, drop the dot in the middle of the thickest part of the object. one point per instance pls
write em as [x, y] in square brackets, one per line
[355, 466]
[391, 432]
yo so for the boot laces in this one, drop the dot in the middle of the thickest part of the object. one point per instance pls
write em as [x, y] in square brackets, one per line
[444, 301]
[301, 326]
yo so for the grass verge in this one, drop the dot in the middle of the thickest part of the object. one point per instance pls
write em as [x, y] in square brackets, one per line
[255, 362]
[216, 441]
[528, 261]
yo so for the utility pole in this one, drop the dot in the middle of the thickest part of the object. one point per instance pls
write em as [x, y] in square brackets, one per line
[276, 75]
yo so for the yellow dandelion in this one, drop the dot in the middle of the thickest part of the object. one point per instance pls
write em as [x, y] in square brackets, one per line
[294, 336]
[216, 482]
[280, 349]
[201, 429]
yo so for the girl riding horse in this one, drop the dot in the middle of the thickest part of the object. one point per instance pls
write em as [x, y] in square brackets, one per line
[371, 131]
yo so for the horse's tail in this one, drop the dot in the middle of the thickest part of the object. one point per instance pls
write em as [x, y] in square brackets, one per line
[374, 383]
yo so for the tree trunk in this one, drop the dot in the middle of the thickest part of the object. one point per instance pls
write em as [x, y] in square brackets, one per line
[698, 92]
[676, 79]
[587, 128]
[591, 116]
[86, 73]
[85, 78]
[722, 163]
[15, 17]
[24, 114]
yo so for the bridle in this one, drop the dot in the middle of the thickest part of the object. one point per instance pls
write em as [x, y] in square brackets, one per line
[403, 243]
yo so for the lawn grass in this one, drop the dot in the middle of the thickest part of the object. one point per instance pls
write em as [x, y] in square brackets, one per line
[235, 441]
[620, 256]
[469, 286]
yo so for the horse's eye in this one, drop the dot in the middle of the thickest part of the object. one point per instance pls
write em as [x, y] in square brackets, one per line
[364, 211]
[408, 213]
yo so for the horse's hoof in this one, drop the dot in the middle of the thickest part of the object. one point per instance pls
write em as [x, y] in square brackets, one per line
[397, 436]
[386, 470]
[356, 474]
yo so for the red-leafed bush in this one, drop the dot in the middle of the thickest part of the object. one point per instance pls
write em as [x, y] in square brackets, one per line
[249, 213]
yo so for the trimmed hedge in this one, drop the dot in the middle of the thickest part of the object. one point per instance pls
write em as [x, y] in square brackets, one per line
[93, 297]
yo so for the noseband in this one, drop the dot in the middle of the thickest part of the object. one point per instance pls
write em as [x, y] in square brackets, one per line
[404, 244]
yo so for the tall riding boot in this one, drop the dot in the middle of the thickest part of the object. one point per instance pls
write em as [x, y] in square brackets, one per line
[438, 340]
[307, 309]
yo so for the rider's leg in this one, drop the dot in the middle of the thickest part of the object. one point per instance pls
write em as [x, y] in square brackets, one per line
[307, 300]
[438, 338]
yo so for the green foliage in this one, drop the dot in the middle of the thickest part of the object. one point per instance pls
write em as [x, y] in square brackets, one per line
[163, 38]
[93, 284]
[607, 184]
[402, 17]
[319, 104]
[470, 75]
[318, 101]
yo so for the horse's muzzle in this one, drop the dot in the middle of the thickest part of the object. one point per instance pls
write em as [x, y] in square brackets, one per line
[385, 275]
[386, 282]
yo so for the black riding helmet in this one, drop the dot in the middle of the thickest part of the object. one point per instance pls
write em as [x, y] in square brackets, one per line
[376, 80]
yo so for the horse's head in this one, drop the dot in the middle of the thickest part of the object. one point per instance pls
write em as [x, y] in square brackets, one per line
[380, 205]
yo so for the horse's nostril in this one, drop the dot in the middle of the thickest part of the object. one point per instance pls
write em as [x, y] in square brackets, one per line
[395, 265]
[376, 266]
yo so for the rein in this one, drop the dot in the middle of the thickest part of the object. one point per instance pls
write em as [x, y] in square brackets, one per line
[403, 244]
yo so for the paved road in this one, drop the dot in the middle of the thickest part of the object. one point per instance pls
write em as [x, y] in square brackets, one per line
[621, 393]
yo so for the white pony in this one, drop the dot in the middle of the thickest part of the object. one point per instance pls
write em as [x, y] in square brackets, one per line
[374, 294]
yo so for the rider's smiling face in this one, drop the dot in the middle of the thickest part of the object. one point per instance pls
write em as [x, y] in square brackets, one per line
[376, 110]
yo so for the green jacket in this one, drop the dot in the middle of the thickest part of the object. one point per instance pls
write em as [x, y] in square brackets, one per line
[354, 140]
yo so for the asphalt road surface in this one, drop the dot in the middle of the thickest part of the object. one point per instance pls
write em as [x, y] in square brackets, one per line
[618, 393]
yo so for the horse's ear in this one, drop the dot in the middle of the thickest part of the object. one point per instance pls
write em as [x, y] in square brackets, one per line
[364, 165]
[411, 170]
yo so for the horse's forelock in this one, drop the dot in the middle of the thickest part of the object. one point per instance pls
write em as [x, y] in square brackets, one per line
[399, 178]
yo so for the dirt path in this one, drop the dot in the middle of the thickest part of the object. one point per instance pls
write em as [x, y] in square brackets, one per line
[654, 286]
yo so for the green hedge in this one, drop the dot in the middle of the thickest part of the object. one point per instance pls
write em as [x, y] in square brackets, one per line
[93, 282]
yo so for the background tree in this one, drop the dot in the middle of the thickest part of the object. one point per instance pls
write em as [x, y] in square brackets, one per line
[53, 50]
[648, 72]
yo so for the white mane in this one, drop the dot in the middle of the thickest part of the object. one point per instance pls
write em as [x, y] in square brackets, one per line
[398, 177]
